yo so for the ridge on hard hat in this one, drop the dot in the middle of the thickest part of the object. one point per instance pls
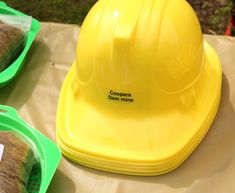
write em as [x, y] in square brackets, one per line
[144, 88]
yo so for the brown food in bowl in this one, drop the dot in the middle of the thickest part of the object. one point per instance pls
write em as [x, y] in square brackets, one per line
[16, 164]
[12, 41]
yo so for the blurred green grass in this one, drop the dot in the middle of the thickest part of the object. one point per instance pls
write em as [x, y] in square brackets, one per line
[213, 14]
[62, 11]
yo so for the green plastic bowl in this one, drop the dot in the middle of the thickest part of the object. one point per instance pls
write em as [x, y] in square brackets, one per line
[47, 151]
[9, 73]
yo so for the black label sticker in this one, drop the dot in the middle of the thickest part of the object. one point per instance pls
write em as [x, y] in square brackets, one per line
[120, 96]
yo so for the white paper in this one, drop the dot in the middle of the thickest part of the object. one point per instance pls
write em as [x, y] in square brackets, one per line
[1, 151]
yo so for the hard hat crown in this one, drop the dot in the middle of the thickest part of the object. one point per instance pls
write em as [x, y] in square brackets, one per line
[139, 53]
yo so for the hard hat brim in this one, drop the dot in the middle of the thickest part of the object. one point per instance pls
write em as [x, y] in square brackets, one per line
[150, 146]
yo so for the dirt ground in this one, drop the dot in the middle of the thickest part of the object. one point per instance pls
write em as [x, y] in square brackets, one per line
[213, 14]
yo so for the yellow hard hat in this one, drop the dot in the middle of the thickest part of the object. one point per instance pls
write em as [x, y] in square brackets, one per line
[144, 88]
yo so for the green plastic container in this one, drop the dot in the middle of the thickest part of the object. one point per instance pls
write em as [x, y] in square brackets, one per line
[47, 151]
[8, 74]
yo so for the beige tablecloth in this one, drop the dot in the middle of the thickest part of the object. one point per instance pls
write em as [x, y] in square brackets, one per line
[34, 93]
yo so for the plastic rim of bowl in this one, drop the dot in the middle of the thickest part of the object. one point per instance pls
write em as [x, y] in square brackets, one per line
[47, 151]
[9, 73]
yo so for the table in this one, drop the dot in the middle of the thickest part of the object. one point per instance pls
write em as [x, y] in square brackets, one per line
[35, 91]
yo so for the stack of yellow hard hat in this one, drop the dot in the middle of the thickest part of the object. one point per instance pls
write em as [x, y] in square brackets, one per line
[143, 91]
